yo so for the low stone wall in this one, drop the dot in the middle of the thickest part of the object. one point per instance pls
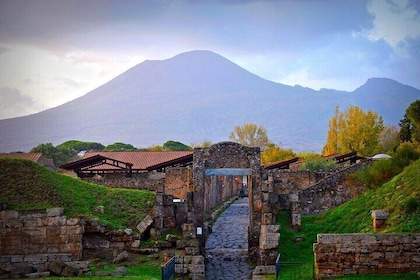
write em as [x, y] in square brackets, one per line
[329, 192]
[153, 181]
[40, 232]
[350, 254]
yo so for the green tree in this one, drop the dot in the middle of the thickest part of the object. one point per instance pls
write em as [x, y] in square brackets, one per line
[175, 146]
[119, 147]
[82, 146]
[59, 156]
[405, 129]
[413, 114]
[354, 131]
[250, 135]
[276, 153]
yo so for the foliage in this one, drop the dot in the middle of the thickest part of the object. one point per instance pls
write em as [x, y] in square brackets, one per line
[276, 153]
[60, 155]
[382, 170]
[175, 146]
[405, 129]
[82, 146]
[388, 139]
[120, 147]
[394, 196]
[353, 131]
[204, 144]
[250, 135]
[25, 185]
[318, 164]
[413, 114]
[405, 154]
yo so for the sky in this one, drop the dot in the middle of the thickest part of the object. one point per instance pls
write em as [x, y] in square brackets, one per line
[53, 51]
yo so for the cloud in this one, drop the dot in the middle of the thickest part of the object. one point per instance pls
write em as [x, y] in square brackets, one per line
[395, 21]
[14, 103]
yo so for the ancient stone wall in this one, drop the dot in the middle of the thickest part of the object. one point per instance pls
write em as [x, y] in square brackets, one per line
[312, 192]
[351, 254]
[30, 240]
[40, 232]
[153, 181]
[329, 192]
[178, 181]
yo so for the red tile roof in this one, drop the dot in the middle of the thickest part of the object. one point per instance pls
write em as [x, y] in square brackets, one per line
[141, 160]
[29, 156]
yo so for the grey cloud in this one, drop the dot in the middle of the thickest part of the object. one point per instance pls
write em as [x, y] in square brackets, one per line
[14, 103]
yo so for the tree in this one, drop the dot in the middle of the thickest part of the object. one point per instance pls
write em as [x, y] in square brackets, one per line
[354, 131]
[388, 139]
[405, 129]
[332, 138]
[82, 146]
[175, 146]
[276, 153]
[250, 135]
[119, 147]
[59, 156]
[413, 114]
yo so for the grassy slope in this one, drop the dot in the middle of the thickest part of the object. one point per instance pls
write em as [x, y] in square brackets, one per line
[351, 217]
[27, 185]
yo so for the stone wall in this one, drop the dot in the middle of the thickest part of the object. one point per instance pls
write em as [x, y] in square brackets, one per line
[178, 181]
[329, 192]
[40, 232]
[313, 192]
[351, 254]
[30, 240]
[153, 181]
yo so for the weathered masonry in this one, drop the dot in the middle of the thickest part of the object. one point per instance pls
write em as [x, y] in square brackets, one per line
[231, 160]
[350, 254]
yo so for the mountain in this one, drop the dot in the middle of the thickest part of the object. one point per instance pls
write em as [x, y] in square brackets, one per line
[197, 96]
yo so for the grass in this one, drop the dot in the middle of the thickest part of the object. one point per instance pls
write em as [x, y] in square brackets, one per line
[353, 217]
[25, 185]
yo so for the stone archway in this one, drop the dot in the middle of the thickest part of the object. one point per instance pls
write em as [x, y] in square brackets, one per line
[228, 158]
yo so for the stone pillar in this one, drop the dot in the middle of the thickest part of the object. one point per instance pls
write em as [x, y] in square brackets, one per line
[379, 218]
[269, 243]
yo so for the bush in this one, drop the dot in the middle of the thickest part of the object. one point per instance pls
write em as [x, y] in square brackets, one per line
[377, 174]
[318, 164]
[411, 206]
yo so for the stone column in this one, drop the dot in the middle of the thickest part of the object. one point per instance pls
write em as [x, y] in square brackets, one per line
[379, 218]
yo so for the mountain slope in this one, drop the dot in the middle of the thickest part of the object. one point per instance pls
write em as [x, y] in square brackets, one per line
[198, 96]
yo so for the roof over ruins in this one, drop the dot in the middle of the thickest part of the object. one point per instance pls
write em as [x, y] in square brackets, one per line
[135, 161]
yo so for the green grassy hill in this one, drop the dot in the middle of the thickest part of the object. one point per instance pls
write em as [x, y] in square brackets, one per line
[400, 196]
[26, 185]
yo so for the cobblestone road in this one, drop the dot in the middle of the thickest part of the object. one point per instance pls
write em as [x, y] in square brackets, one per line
[227, 246]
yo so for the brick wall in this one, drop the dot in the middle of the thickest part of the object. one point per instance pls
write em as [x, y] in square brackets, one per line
[350, 254]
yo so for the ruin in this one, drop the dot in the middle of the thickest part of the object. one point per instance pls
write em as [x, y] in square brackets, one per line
[189, 185]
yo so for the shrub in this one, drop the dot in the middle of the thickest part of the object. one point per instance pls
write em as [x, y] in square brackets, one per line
[318, 164]
[411, 206]
[377, 174]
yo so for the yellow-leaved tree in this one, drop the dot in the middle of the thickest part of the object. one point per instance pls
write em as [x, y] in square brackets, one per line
[250, 135]
[353, 130]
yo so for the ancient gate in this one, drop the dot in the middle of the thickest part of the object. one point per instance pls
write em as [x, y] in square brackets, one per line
[229, 159]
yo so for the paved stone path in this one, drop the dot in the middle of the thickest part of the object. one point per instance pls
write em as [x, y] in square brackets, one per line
[227, 245]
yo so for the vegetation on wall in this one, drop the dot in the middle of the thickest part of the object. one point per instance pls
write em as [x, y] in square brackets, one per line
[26, 185]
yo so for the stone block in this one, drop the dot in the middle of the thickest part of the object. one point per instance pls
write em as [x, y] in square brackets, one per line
[144, 224]
[72, 221]
[17, 258]
[53, 212]
[9, 214]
